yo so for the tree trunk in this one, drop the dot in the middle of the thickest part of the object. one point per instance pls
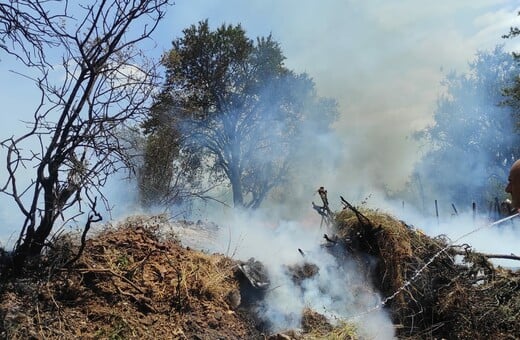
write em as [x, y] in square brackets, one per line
[235, 176]
[236, 185]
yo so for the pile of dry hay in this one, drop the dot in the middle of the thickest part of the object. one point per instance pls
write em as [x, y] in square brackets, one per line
[468, 299]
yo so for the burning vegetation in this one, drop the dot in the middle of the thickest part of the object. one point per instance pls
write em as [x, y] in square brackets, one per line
[137, 280]
[229, 112]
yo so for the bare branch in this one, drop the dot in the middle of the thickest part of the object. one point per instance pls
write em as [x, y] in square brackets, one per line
[106, 83]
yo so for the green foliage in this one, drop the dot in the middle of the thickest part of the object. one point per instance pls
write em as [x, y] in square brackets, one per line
[234, 110]
[472, 142]
[513, 32]
[157, 167]
[513, 92]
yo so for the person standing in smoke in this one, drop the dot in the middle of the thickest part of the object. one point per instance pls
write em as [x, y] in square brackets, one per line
[513, 185]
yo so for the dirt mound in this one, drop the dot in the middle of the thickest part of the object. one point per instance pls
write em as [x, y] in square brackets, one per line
[430, 292]
[130, 283]
[135, 280]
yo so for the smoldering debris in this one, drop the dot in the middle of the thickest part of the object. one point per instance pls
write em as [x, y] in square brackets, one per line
[132, 281]
[302, 272]
[367, 272]
[256, 273]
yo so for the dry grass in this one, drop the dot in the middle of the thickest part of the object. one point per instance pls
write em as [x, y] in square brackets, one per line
[428, 293]
[401, 250]
[345, 331]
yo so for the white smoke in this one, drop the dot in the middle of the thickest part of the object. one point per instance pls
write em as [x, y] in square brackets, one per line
[384, 70]
[339, 290]
[474, 230]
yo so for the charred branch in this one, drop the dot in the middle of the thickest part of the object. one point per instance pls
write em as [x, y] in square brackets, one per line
[362, 218]
[92, 218]
[328, 239]
[492, 256]
[324, 211]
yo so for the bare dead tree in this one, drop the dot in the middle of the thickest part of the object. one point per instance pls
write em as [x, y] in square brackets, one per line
[24, 33]
[105, 84]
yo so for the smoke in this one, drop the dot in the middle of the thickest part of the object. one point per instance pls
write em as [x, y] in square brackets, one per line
[382, 61]
[386, 75]
[473, 140]
[467, 228]
[339, 290]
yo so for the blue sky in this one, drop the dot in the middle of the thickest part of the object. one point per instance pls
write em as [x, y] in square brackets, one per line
[382, 60]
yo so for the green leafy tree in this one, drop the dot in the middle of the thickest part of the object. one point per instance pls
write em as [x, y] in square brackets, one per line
[513, 92]
[473, 141]
[167, 175]
[237, 110]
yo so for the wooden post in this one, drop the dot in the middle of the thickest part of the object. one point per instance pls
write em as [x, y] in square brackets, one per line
[497, 209]
[437, 211]
[454, 209]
